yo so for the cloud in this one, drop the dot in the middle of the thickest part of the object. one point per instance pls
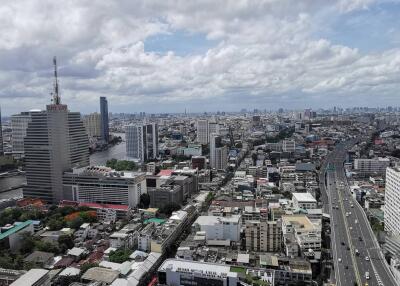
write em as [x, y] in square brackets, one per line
[262, 51]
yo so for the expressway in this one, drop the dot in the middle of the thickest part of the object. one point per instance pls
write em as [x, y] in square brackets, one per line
[356, 253]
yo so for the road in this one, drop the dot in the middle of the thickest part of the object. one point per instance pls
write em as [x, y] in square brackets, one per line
[354, 246]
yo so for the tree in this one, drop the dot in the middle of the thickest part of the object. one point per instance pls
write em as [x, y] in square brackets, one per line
[75, 223]
[168, 209]
[87, 217]
[111, 163]
[65, 242]
[87, 266]
[144, 200]
[120, 255]
[46, 246]
[56, 223]
[27, 243]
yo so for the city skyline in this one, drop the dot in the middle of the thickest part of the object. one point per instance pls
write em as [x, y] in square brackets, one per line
[167, 57]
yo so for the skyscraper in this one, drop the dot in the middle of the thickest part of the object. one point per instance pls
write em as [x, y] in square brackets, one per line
[19, 124]
[218, 153]
[104, 119]
[202, 131]
[55, 141]
[142, 141]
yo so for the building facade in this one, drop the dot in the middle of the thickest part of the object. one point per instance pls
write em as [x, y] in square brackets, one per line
[264, 236]
[218, 153]
[103, 185]
[202, 131]
[219, 228]
[188, 273]
[392, 201]
[93, 124]
[142, 141]
[55, 141]
[371, 166]
[19, 124]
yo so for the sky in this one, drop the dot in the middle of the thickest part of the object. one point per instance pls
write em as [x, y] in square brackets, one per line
[203, 56]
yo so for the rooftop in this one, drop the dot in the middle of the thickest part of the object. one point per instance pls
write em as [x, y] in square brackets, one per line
[30, 277]
[304, 197]
[194, 266]
[301, 220]
[14, 229]
[213, 220]
[100, 274]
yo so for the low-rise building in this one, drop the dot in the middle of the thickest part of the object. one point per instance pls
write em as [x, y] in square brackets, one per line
[188, 273]
[304, 201]
[219, 228]
[99, 184]
[12, 238]
[306, 234]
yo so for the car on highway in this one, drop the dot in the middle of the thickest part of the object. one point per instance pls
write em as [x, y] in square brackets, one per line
[352, 206]
[360, 238]
[340, 259]
[367, 275]
[366, 258]
[343, 243]
[357, 252]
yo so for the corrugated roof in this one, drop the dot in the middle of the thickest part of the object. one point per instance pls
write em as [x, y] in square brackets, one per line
[16, 228]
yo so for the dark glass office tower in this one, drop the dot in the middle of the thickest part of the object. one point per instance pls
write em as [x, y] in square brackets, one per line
[104, 119]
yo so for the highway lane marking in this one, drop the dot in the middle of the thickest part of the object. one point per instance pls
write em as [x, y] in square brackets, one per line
[333, 243]
[370, 232]
[355, 266]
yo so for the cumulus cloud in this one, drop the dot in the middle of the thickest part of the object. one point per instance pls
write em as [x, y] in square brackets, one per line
[262, 51]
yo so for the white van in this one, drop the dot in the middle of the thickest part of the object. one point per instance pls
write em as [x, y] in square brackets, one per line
[367, 275]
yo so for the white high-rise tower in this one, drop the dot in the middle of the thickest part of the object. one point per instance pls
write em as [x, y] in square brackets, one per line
[55, 141]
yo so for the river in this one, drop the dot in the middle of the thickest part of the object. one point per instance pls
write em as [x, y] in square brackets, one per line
[98, 158]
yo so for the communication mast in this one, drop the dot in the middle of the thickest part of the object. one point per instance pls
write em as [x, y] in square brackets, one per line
[56, 96]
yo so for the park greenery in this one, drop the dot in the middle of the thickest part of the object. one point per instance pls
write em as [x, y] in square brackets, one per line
[121, 165]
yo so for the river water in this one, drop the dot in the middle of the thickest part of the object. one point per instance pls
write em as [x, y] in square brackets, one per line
[98, 158]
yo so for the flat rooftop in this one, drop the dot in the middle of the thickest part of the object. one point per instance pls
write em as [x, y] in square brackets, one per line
[178, 265]
[301, 220]
[30, 277]
[214, 220]
[304, 197]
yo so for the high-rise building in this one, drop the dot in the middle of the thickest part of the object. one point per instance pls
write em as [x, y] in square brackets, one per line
[55, 141]
[202, 131]
[1, 137]
[213, 127]
[19, 124]
[392, 201]
[92, 123]
[218, 153]
[142, 141]
[104, 119]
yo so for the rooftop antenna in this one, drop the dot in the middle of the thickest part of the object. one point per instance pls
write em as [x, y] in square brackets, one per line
[56, 96]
